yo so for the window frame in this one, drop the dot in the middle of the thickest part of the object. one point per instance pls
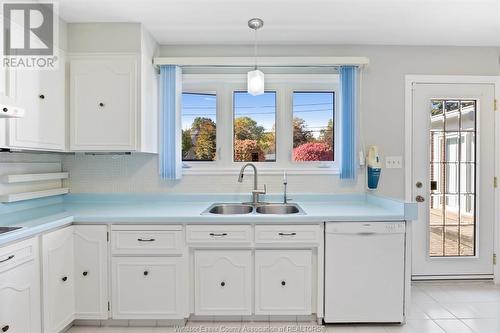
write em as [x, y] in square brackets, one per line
[275, 127]
[223, 85]
[320, 164]
[206, 94]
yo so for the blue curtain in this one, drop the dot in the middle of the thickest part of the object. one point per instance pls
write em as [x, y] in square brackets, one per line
[348, 97]
[170, 122]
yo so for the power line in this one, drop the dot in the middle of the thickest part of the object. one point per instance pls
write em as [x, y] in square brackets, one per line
[257, 113]
[254, 106]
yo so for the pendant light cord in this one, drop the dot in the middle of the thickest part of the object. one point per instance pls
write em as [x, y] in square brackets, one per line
[255, 48]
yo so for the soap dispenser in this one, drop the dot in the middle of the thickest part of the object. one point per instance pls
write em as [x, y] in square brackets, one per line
[374, 167]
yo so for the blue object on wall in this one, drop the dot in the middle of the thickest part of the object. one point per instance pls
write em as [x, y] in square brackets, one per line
[348, 121]
[170, 155]
[373, 177]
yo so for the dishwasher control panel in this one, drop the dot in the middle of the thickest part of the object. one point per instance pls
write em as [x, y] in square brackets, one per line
[396, 227]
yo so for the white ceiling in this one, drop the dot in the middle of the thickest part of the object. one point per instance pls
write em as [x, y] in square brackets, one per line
[392, 22]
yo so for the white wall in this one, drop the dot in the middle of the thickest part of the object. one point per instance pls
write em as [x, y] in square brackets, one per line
[104, 37]
[139, 173]
[382, 96]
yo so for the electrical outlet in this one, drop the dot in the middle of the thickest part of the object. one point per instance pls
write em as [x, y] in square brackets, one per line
[393, 162]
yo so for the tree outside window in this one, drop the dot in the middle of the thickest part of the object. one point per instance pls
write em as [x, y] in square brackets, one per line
[313, 126]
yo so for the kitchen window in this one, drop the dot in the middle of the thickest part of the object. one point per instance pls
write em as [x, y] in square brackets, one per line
[313, 133]
[199, 130]
[254, 133]
[290, 127]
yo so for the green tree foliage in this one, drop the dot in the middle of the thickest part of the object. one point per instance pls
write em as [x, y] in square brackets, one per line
[268, 142]
[199, 141]
[205, 140]
[245, 128]
[187, 143]
[300, 133]
[326, 135]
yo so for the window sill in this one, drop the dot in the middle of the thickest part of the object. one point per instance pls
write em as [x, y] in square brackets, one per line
[262, 171]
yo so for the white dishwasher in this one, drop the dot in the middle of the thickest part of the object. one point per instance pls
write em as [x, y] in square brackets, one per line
[364, 272]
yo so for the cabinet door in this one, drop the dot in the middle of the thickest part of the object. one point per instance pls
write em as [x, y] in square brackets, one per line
[7, 83]
[148, 288]
[103, 114]
[223, 282]
[91, 272]
[283, 282]
[20, 309]
[42, 95]
[58, 279]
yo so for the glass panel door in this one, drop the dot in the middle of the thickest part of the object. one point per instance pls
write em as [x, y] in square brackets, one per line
[452, 167]
[452, 178]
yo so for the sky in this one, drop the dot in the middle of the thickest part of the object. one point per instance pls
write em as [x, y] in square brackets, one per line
[314, 107]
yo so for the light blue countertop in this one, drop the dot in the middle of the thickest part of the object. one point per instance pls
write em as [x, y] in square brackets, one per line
[36, 216]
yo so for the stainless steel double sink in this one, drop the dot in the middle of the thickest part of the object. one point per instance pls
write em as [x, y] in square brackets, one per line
[4, 230]
[261, 208]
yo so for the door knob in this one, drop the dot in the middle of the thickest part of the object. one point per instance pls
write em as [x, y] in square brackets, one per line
[419, 198]
[419, 184]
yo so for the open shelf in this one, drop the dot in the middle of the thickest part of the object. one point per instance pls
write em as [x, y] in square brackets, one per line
[32, 195]
[34, 177]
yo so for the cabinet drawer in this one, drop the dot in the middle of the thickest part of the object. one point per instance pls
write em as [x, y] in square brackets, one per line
[307, 234]
[219, 234]
[159, 242]
[18, 253]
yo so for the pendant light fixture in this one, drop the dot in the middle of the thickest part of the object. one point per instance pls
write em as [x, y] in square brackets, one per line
[255, 78]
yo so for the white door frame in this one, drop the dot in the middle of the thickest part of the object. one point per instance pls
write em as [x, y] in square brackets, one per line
[410, 80]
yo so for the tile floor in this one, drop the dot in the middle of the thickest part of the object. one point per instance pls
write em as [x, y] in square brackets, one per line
[452, 307]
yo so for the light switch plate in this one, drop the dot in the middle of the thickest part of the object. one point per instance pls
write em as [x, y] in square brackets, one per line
[393, 162]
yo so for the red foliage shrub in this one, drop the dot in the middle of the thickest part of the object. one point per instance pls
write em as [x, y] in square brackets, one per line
[248, 150]
[313, 151]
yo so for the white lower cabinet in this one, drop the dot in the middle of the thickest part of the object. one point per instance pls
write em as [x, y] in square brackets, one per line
[148, 288]
[74, 275]
[283, 282]
[20, 310]
[91, 273]
[58, 279]
[223, 282]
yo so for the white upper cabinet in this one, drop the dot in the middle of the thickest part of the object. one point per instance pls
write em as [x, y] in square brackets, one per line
[42, 95]
[113, 89]
[103, 100]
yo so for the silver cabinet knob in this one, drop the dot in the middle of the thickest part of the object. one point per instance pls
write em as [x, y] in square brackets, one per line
[419, 198]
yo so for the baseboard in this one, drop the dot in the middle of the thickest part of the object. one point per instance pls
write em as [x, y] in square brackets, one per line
[452, 277]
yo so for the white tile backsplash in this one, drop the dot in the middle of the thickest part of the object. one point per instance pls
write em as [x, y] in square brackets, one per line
[139, 173]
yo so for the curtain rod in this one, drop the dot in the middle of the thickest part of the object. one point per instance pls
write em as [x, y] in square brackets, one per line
[262, 61]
